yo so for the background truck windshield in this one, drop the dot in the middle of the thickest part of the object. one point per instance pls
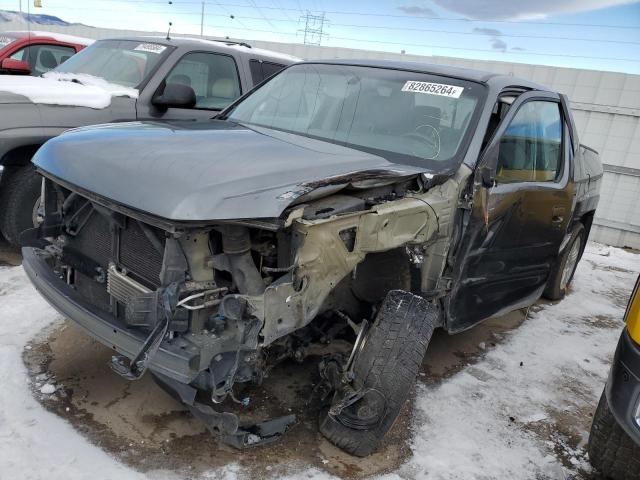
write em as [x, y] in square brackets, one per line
[124, 62]
[405, 117]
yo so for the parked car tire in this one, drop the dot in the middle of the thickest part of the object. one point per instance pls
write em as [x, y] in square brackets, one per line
[612, 452]
[387, 367]
[19, 200]
[566, 264]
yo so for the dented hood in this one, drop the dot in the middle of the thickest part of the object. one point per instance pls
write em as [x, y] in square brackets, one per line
[195, 171]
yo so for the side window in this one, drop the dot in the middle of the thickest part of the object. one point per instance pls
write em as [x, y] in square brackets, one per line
[269, 69]
[262, 70]
[20, 55]
[499, 111]
[531, 146]
[50, 56]
[43, 58]
[256, 71]
[213, 77]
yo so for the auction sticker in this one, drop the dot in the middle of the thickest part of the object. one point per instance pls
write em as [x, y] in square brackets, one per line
[433, 89]
[150, 47]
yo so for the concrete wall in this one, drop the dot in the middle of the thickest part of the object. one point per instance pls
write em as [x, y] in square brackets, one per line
[606, 106]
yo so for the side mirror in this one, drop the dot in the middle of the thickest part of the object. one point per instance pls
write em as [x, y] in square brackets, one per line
[15, 66]
[175, 95]
[487, 176]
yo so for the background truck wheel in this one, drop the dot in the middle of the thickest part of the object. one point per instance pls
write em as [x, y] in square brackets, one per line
[19, 200]
[385, 368]
[612, 452]
[566, 265]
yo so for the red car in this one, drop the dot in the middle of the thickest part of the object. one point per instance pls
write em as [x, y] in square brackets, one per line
[34, 53]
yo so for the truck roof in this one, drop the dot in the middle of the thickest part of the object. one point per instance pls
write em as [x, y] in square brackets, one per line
[220, 45]
[494, 80]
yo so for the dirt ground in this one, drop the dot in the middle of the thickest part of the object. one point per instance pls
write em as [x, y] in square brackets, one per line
[144, 427]
[9, 255]
[147, 429]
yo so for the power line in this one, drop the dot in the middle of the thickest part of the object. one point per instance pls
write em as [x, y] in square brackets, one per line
[446, 47]
[255, 5]
[233, 17]
[404, 44]
[454, 32]
[284, 10]
[376, 27]
[391, 15]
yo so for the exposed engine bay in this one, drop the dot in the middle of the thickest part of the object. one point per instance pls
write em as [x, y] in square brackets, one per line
[234, 298]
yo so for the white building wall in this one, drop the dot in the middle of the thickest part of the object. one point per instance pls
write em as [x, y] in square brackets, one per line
[606, 106]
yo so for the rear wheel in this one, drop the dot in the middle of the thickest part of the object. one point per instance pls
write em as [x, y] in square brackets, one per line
[612, 452]
[566, 265]
[19, 202]
[385, 370]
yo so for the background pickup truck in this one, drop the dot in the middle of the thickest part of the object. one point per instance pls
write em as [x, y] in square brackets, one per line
[35, 53]
[115, 80]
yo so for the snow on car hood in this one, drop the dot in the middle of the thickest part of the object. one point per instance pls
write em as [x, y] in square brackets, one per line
[66, 89]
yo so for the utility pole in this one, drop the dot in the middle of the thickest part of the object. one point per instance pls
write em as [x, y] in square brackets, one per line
[202, 20]
[314, 28]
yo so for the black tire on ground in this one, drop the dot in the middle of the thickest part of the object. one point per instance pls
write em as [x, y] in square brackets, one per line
[554, 290]
[18, 196]
[612, 452]
[388, 365]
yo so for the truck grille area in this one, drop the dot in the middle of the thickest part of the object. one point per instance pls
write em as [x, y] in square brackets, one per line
[138, 254]
[106, 246]
[94, 240]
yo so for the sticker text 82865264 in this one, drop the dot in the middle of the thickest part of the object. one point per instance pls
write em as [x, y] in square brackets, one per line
[433, 89]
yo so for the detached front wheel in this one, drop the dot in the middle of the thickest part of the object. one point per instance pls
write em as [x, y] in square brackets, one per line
[19, 202]
[384, 369]
[566, 265]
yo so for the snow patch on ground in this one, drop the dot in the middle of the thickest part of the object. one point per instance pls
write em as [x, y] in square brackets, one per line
[57, 88]
[34, 443]
[482, 422]
[491, 420]
[47, 389]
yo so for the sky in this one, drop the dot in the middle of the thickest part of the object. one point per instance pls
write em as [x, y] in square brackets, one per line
[593, 34]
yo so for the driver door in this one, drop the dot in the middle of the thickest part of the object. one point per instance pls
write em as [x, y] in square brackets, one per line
[522, 202]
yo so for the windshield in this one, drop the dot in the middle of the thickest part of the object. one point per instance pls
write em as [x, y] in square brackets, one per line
[405, 117]
[124, 62]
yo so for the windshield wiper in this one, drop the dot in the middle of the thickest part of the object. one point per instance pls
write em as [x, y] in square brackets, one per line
[217, 115]
[67, 79]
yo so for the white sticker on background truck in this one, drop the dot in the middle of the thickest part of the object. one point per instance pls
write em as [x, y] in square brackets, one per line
[151, 48]
[433, 88]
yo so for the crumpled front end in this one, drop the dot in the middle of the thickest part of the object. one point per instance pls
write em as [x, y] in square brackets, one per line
[206, 307]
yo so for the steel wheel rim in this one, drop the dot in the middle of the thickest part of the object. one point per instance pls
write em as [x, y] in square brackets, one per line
[570, 264]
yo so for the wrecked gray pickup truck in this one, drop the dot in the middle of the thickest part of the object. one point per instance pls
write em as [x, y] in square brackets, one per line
[343, 210]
